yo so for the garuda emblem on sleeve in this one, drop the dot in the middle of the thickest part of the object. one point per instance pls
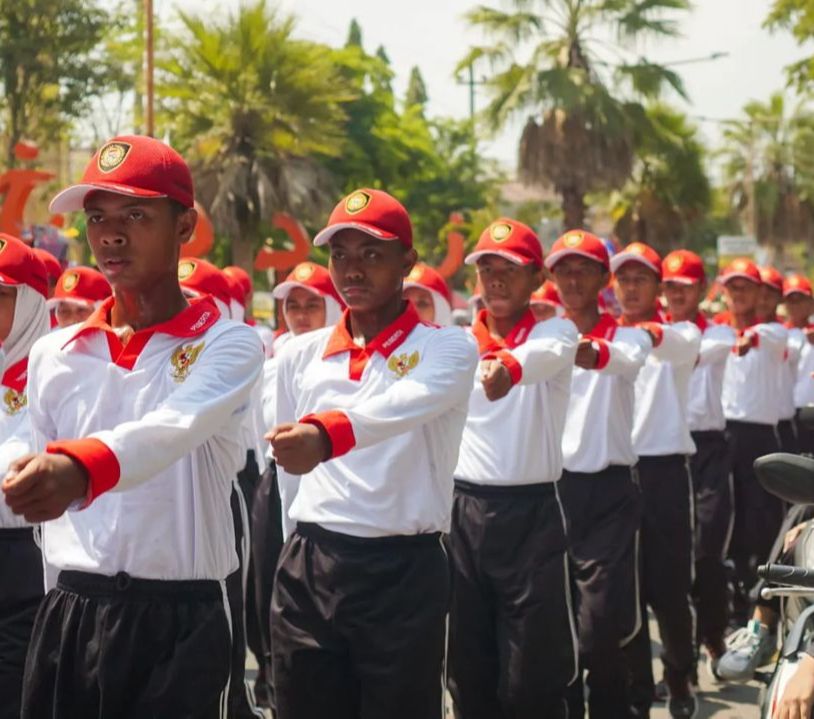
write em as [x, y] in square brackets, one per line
[401, 365]
[182, 360]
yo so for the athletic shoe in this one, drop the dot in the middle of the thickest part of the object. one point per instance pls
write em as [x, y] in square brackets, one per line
[683, 707]
[748, 648]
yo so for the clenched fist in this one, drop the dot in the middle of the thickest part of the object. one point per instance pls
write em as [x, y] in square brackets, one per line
[495, 379]
[299, 447]
[43, 486]
[587, 356]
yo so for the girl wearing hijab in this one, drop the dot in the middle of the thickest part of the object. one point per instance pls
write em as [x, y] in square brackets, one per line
[430, 294]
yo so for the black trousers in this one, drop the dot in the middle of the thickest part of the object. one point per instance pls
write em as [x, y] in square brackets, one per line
[714, 517]
[358, 626]
[758, 514]
[512, 639]
[787, 434]
[267, 542]
[21, 591]
[805, 436]
[128, 648]
[603, 511]
[666, 575]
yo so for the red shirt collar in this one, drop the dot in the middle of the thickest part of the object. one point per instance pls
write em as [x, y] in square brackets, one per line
[656, 317]
[518, 335]
[192, 321]
[604, 329]
[700, 320]
[384, 343]
[16, 376]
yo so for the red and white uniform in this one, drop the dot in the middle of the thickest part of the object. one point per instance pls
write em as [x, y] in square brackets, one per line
[395, 412]
[497, 447]
[705, 411]
[158, 424]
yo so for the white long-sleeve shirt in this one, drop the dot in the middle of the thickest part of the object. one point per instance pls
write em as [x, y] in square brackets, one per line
[159, 423]
[804, 381]
[705, 412]
[599, 422]
[662, 386]
[395, 413]
[788, 377]
[518, 439]
[15, 431]
[751, 382]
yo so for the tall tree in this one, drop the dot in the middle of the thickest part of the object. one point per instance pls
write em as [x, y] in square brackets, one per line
[354, 34]
[51, 65]
[416, 89]
[583, 108]
[253, 107]
[796, 16]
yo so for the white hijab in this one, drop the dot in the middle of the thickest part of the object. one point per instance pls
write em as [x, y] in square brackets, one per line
[333, 310]
[31, 321]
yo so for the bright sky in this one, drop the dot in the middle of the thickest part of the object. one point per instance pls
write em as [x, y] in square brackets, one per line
[433, 35]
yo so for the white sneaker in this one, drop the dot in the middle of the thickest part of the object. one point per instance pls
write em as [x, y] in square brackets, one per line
[748, 648]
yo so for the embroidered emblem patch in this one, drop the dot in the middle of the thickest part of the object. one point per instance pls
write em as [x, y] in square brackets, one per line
[357, 202]
[14, 401]
[70, 281]
[112, 155]
[182, 360]
[674, 263]
[635, 249]
[415, 274]
[185, 269]
[573, 239]
[401, 365]
[740, 265]
[500, 231]
[304, 271]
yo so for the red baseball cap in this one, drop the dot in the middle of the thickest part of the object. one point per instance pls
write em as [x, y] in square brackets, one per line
[741, 267]
[375, 212]
[797, 283]
[241, 279]
[309, 276]
[83, 285]
[425, 277]
[20, 265]
[771, 277]
[200, 278]
[546, 294]
[52, 265]
[511, 240]
[133, 165]
[580, 243]
[637, 252]
[683, 267]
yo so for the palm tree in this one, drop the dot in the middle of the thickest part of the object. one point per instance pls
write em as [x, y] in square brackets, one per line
[252, 106]
[579, 93]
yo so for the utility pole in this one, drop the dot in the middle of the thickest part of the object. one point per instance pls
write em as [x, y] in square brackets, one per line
[471, 82]
[149, 48]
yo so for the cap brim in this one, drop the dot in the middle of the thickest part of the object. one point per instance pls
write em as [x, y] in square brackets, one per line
[622, 257]
[324, 236]
[555, 257]
[723, 279]
[6, 280]
[472, 258]
[54, 301]
[683, 280]
[798, 291]
[72, 199]
[282, 290]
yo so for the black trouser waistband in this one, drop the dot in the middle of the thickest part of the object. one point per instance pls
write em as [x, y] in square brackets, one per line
[315, 531]
[708, 434]
[15, 534]
[663, 458]
[539, 489]
[738, 424]
[612, 472]
[123, 586]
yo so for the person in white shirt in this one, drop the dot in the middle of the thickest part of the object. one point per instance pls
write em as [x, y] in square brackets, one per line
[598, 491]
[749, 397]
[684, 288]
[661, 439]
[137, 420]
[512, 642]
[370, 416]
[23, 320]
[799, 303]
[430, 294]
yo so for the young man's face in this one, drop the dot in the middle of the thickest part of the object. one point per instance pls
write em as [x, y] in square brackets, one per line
[741, 295]
[637, 288]
[768, 299]
[71, 313]
[368, 272]
[579, 281]
[422, 299]
[136, 241]
[799, 307]
[8, 301]
[507, 286]
[683, 300]
[304, 311]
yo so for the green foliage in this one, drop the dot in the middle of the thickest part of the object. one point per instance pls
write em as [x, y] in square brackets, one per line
[416, 89]
[796, 16]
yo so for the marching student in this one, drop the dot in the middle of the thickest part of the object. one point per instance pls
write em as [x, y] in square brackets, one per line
[370, 417]
[430, 294]
[545, 302]
[799, 303]
[512, 642]
[199, 278]
[78, 292]
[23, 320]
[598, 491]
[134, 490]
[749, 395]
[771, 295]
[662, 442]
[684, 288]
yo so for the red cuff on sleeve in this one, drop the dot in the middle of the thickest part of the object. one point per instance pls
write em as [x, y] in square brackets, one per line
[603, 353]
[98, 460]
[508, 360]
[338, 428]
[656, 331]
[755, 338]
